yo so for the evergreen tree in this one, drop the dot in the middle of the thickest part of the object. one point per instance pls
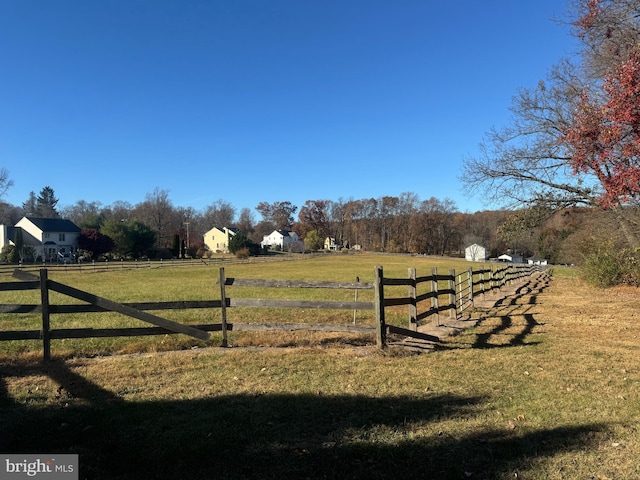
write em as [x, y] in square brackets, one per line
[131, 238]
[175, 245]
[46, 204]
[18, 240]
[29, 207]
[238, 242]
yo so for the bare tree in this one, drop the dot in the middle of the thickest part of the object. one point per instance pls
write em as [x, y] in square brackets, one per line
[119, 210]
[524, 163]
[279, 214]
[9, 214]
[246, 221]
[5, 182]
[219, 214]
[156, 212]
[84, 214]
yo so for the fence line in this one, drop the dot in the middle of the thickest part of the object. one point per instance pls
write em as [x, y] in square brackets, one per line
[105, 266]
[457, 296]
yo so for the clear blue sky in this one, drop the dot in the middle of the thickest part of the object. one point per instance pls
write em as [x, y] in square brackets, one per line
[261, 100]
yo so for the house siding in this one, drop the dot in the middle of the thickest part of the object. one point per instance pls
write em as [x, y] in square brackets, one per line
[282, 238]
[50, 237]
[217, 239]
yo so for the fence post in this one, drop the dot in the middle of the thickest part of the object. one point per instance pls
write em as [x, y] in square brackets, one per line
[453, 313]
[434, 293]
[223, 307]
[356, 300]
[46, 330]
[413, 305]
[381, 328]
[470, 275]
[492, 279]
[458, 287]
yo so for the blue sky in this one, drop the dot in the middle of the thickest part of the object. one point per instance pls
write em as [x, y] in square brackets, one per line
[256, 100]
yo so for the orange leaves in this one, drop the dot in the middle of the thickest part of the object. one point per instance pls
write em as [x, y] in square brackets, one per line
[605, 136]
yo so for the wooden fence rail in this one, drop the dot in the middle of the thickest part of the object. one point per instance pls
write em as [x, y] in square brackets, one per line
[451, 292]
[109, 266]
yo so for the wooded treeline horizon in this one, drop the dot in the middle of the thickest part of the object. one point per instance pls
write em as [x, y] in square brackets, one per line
[392, 224]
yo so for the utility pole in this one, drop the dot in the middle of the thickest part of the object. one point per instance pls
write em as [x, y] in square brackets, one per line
[187, 248]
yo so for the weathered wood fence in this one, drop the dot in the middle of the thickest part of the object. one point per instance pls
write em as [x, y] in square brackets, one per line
[110, 266]
[452, 292]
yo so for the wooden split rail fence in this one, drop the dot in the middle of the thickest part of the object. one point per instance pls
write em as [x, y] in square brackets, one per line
[452, 292]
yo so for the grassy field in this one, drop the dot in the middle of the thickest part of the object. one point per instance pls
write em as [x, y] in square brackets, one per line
[546, 387]
[199, 283]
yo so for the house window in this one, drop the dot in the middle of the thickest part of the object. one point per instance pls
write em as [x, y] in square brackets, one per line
[61, 237]
[46, 235]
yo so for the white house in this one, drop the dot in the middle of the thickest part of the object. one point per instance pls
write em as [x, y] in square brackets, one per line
[284, 240]
[511, 258]
[475, 253]
[536, 261]
[217, 239]
[53, 239]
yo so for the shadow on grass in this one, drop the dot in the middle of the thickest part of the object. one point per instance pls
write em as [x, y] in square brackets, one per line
[528, 291]
[526, 326]
[515, 323]
[269, 436]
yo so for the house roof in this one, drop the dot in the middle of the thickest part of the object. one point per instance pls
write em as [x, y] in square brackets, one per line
[54, 224]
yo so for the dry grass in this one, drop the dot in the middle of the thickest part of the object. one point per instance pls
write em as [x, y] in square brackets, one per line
[199, 283]
[545, 388]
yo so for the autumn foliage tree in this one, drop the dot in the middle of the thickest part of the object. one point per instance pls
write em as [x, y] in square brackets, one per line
[575, 138]
[94, 242]
[279, 214]
[314, 216]
[605, 136]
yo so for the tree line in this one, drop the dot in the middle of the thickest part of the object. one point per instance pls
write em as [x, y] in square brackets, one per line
[156, 228]
[398, 224]
[574, 140]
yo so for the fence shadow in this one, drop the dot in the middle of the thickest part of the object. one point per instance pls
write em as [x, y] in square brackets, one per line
[270, 436]
[509, 321]
[528, 292]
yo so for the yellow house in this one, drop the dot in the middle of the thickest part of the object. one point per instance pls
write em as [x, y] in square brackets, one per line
[217, 239]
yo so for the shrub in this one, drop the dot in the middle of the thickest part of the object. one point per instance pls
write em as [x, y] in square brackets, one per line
[313, 241]
[8, 254]
[630, 274]
[238, 242]
[243, 253]
[157, 253]
[602, 267]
